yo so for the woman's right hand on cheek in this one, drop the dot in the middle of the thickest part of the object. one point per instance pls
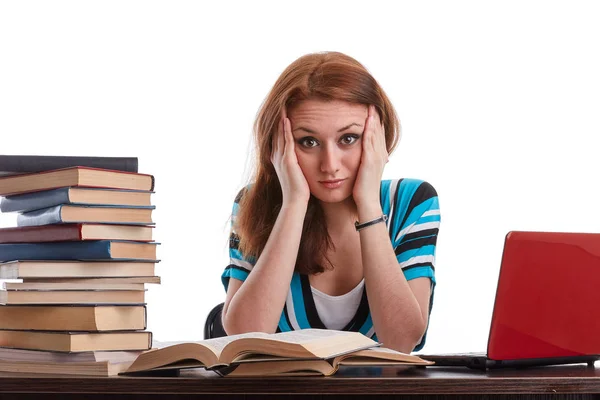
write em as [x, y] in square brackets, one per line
[294, 186]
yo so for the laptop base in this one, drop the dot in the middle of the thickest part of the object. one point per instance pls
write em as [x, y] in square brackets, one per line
[481, 362]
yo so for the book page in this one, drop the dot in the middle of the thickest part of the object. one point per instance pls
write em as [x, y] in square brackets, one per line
[316, 343]
[216, 344]
[385, 350]
[379, 356]
[321, 338]
[308, 335]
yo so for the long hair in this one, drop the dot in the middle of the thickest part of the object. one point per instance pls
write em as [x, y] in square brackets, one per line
[325, 76]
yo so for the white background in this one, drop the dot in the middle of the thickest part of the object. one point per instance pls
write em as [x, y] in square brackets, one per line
[499, 104]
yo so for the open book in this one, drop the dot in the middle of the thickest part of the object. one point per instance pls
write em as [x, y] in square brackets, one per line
[308, 351]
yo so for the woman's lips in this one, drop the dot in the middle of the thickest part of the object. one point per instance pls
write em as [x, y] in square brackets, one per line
[332, 184]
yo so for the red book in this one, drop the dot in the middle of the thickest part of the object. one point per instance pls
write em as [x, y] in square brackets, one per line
[74, 232]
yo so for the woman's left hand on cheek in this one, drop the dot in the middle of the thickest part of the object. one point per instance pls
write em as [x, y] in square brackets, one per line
[372, 162]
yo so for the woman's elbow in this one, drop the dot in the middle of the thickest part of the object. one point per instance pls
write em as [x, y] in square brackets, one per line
[234, 325]
[231, 325]
[407, 340]
[415, 335]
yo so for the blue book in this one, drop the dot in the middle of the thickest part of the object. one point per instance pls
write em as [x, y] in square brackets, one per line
[75, 195]
[93, 250]
[66, 213]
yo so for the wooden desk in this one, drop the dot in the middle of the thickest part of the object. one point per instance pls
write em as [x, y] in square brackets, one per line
[564, 382]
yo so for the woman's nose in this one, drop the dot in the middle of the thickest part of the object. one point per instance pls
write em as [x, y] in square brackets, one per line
[330, 160]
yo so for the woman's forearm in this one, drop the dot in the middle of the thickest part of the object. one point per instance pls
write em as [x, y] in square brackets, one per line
[258, 303]
[396, 313]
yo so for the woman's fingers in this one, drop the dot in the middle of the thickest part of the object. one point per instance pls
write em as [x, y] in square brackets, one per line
[294, 186]
[278, 140]
[376, 128]
[282, 134]
[375, 133]
[380, 133]
[281, 137]
[381, 139]
[283, 143]
[273, 147]
[367, 132]
[289, 138]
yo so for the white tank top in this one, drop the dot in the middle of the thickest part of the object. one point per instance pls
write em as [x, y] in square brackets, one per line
[336, 311]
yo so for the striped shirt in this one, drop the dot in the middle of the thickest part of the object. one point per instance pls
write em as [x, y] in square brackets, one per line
[413, 223]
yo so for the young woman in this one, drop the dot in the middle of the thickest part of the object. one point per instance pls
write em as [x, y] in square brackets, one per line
[318, 239]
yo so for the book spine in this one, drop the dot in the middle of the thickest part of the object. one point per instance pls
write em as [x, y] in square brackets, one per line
[36, 234]
[45, 216]
[146, 319]
[34, 201]
[72, 251]
[31, 163]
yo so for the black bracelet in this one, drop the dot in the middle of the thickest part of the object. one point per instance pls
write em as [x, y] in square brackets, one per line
[360, 226]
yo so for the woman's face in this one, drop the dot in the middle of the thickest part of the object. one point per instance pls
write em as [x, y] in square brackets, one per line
[328, 142]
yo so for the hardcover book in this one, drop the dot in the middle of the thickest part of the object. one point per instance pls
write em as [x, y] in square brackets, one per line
[73, 297]
[319, 351]
[91, 363]
[86, 214]
[74, 195]
[33, 269]
[75, 176]
[104, 368]
[19, 164]
[70, 285]
[75, 232]
[375, 356]
[87, 250]
[73, 318]
[71, 342]
[109, 280]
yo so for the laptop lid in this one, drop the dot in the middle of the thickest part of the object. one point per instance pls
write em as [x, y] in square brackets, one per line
[547, 301]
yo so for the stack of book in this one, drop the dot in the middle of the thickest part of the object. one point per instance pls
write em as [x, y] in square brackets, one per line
[77, 262]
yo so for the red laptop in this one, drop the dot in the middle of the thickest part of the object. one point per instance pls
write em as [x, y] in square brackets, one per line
[547, 307]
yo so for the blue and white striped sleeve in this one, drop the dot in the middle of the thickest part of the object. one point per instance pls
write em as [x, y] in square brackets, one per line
[413, 223]
[239, 266]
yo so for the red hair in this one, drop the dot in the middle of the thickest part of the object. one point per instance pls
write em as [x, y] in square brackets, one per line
[323, 76]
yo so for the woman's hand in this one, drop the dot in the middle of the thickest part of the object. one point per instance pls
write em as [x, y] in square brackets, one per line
[374, 157]
[294, 186]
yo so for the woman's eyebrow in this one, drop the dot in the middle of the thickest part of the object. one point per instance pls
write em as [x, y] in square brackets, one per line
[349, 126]
[301, 128]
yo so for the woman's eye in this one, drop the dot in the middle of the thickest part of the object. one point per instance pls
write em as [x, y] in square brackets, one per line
[308, 142]
[349, 139]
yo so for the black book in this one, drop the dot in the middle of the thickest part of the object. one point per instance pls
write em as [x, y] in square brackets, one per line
[16, 164]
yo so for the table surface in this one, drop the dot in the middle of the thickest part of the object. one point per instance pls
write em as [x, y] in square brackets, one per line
[575, 379]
